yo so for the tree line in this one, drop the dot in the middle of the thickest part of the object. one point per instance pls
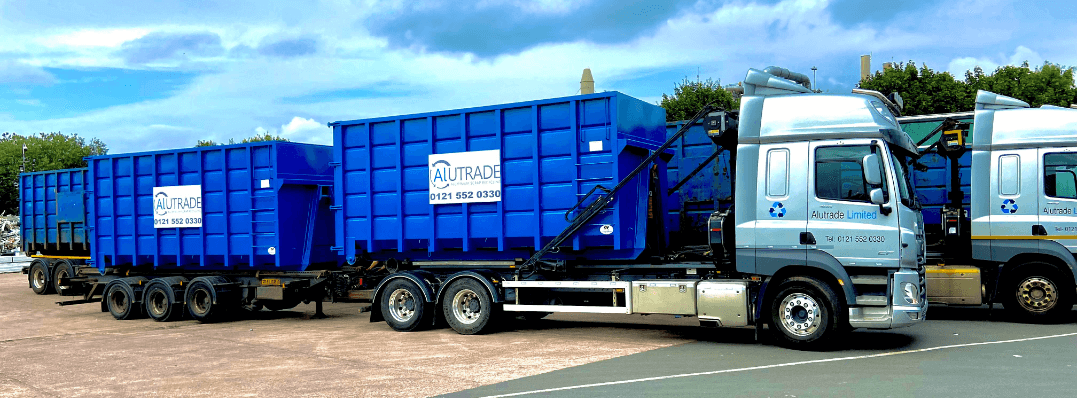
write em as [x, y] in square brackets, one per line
[926, 91]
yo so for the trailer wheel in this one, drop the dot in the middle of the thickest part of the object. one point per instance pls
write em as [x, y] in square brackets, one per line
[207, 301]
[62, 269]
[39, 277]
[120, 299]
[404, 307]
[467, 307]
[1039, 293]
[804, 313]
[161, 303]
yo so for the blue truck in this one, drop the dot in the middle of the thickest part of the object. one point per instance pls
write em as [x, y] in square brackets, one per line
[585, 204]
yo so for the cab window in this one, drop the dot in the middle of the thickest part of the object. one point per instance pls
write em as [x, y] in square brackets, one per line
[1060, 175]
[839, 174]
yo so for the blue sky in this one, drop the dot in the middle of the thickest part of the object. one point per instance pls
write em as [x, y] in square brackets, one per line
[164, 74]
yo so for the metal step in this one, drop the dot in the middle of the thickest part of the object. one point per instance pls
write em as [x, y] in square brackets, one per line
[871, 300]
[869, 279]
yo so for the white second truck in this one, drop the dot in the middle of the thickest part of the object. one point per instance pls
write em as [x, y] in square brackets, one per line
[1016, 242]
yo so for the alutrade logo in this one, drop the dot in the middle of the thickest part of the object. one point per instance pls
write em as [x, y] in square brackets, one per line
[443, 174]
[162, 204]
[845, 215]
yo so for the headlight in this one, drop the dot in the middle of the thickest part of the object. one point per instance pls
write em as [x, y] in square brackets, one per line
[912, 293]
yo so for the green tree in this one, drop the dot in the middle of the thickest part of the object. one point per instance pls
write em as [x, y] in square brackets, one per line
[44, 151]
[689, 97]
[1050, 84]
[923, 90]
[255, 138]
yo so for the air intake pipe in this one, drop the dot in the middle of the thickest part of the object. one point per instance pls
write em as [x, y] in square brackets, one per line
[787, 74]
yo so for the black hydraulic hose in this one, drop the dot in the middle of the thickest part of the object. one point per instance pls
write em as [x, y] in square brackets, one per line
[604, 200]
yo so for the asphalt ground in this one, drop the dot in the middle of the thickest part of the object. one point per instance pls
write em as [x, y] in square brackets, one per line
[958, 352]
[52, 351]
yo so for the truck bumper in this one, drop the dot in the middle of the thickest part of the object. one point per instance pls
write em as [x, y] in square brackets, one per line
[894, 316]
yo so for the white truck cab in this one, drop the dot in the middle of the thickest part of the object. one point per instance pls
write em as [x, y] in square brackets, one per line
[1024, 203]
[824, 193]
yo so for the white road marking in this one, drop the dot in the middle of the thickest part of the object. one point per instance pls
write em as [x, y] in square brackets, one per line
[780, 365]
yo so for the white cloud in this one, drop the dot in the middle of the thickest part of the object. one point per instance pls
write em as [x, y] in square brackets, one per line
[958, 66]
[301, 129]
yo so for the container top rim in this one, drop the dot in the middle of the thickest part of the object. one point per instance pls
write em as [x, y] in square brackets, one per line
[203, 148]
[604, 94]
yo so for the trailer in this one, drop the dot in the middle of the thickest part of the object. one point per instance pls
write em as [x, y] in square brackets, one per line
[1003, 232]
[561, 205]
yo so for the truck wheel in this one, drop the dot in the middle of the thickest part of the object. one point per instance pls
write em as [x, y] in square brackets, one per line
[62, 269]
[403, 306]
[39, 277]
[467, 307]
[1038, 293]
[804, 313]
[161, 304]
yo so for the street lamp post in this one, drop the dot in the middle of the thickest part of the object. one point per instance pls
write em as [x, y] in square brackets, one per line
[815, 84]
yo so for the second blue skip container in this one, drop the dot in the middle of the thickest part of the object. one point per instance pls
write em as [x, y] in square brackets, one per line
[551, 154]
[261, 206]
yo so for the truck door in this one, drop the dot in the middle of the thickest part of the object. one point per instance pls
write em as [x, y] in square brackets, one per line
[1058, 197]
[781, 198]
[841, 217]
[1014, 194]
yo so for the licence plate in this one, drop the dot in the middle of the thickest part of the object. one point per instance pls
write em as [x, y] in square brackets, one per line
[271, 282]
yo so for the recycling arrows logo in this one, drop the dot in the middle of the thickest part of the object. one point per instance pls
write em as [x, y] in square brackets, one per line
[777, 210]
[1009, 206]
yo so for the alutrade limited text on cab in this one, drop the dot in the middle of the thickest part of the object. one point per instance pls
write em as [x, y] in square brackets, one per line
[846, 215]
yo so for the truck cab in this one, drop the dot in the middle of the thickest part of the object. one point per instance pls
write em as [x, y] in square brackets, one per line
[1024, 204]
[823, 191]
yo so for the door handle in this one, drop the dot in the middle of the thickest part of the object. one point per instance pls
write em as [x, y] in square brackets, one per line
[1039, 230]
[806, 238]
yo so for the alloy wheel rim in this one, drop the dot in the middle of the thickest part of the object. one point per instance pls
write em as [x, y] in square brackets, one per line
[800, 314]
[401, 305]
[1037, 294]
[466, 307]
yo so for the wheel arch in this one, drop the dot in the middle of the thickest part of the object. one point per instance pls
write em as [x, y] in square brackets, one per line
[766, 294]
[1024, 261]
[427, 282]
[486, 277]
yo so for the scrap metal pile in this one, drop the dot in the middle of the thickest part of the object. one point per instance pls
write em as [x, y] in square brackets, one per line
[9, 233]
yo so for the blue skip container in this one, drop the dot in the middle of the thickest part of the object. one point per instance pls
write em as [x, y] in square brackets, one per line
[257, 206]
[496, 182]
[53, 212]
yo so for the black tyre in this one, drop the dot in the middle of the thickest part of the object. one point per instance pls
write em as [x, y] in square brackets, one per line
[39, 277]
[209, 300]
[161, 302]
[403, 306]
[468, 308]
[805, 313]
[120, 298]
[62, 269]
[1038, 292]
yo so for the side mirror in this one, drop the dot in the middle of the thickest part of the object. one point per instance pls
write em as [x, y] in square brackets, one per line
[897, 100]
[876, 196]
[872, 173]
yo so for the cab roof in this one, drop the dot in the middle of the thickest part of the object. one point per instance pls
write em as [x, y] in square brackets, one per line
[1003, 122]
[780, 112]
